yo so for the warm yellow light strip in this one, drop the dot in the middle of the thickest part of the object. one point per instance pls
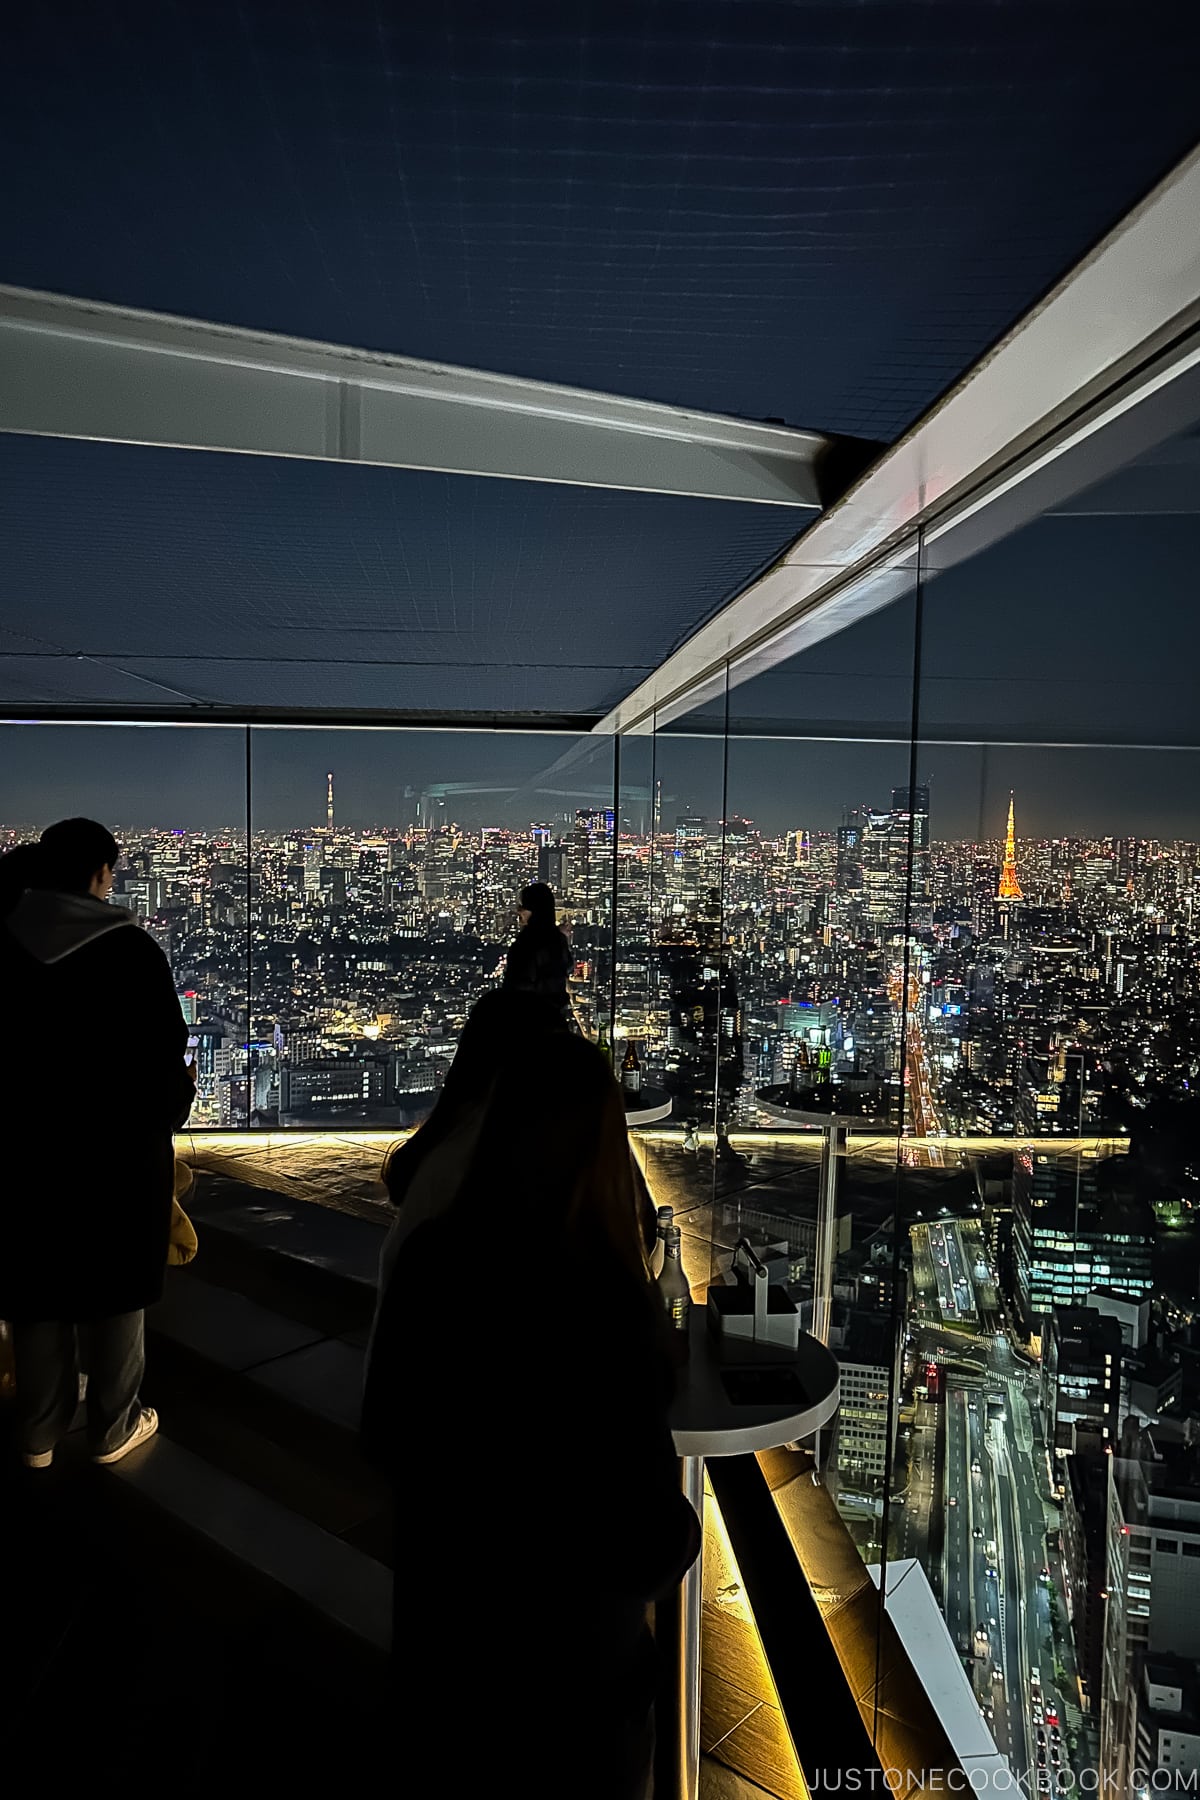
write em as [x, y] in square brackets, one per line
[725, 1596]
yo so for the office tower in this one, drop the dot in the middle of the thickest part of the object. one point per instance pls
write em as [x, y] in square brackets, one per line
[1165, 1732]
[333, 887]
[592, 864]
[909, 846]
[554, 867]
[370, 875]
[440, 846]
[1083, 1379]
[1152, 1583]
[881, 904]
[1068, 1240]
[848, 878]
[868, 1358]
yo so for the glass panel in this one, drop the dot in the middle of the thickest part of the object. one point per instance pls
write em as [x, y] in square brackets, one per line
[688, 995]
[174, 797]
[387, 868]
[820, 835]
[638, 1003]
[1053, 1058]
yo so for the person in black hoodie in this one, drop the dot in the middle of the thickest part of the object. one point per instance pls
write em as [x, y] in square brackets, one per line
[539, 960]
[84, 1253]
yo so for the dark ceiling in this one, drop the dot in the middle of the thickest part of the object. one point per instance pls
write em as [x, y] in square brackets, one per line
[817, 212]
[136, 578]
[821, 213]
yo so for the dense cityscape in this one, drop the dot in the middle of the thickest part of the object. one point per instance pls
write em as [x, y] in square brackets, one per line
[1015, 1314]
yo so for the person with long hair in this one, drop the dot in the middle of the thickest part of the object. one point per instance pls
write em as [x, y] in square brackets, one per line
[518, 1400]
[423, 1173]
[539, 960]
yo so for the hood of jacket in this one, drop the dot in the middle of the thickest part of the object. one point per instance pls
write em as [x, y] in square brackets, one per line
[51, 926]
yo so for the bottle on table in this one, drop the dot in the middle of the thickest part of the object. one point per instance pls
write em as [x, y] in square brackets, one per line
[673, 1283]
[631, 1069]
[801, 1071]
[666, 1216]
[603, 1045]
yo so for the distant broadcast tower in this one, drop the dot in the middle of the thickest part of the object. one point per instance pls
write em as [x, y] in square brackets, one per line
[1010, 887]
[329, 802]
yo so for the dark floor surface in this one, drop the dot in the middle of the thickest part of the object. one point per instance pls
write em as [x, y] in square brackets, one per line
[135, 1656]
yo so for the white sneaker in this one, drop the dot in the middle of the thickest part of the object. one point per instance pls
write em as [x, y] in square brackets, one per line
[145, 1428]
[38, 1459]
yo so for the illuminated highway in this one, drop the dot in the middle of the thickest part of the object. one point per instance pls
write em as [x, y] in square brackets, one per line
[994, 1598]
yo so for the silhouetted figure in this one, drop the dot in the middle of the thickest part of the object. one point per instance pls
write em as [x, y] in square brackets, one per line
[540, 958]
[518, 1398]
[423, 1174]
[92, 1253]
[18, 871]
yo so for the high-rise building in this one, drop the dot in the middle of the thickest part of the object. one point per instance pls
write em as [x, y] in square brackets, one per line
[369, 882]
[910, 845]
[592, 864]
[1083, 1379]
[554, 866]
[1166, 1725]
[868, 1360]
[1152, 1583]
[848, 878]
[1069, 1239]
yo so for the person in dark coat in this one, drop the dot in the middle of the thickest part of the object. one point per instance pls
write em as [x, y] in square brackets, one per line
[539, 960]
[18, 871]
[518, 1401]
[84, 1254]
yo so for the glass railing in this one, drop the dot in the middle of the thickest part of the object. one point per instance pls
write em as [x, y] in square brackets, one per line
[900, 929]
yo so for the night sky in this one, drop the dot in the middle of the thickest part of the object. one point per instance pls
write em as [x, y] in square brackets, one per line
[196, 780]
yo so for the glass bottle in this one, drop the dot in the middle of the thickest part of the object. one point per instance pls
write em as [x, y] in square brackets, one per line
[673, 1283]
[666, 1215]
[603, 1045]
[631, 1069]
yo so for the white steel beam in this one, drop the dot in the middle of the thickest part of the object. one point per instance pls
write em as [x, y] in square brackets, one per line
[1106, 365]
[80, 369]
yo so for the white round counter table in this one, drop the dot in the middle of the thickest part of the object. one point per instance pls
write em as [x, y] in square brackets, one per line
[648, 1107]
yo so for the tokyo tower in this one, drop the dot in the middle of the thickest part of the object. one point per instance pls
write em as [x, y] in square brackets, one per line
[1010, 887]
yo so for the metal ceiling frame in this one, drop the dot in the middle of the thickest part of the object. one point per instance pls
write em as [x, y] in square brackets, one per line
[1116, 343]
[81, 369]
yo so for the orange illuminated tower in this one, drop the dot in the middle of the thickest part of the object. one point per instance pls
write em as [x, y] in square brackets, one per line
[1010, 887]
